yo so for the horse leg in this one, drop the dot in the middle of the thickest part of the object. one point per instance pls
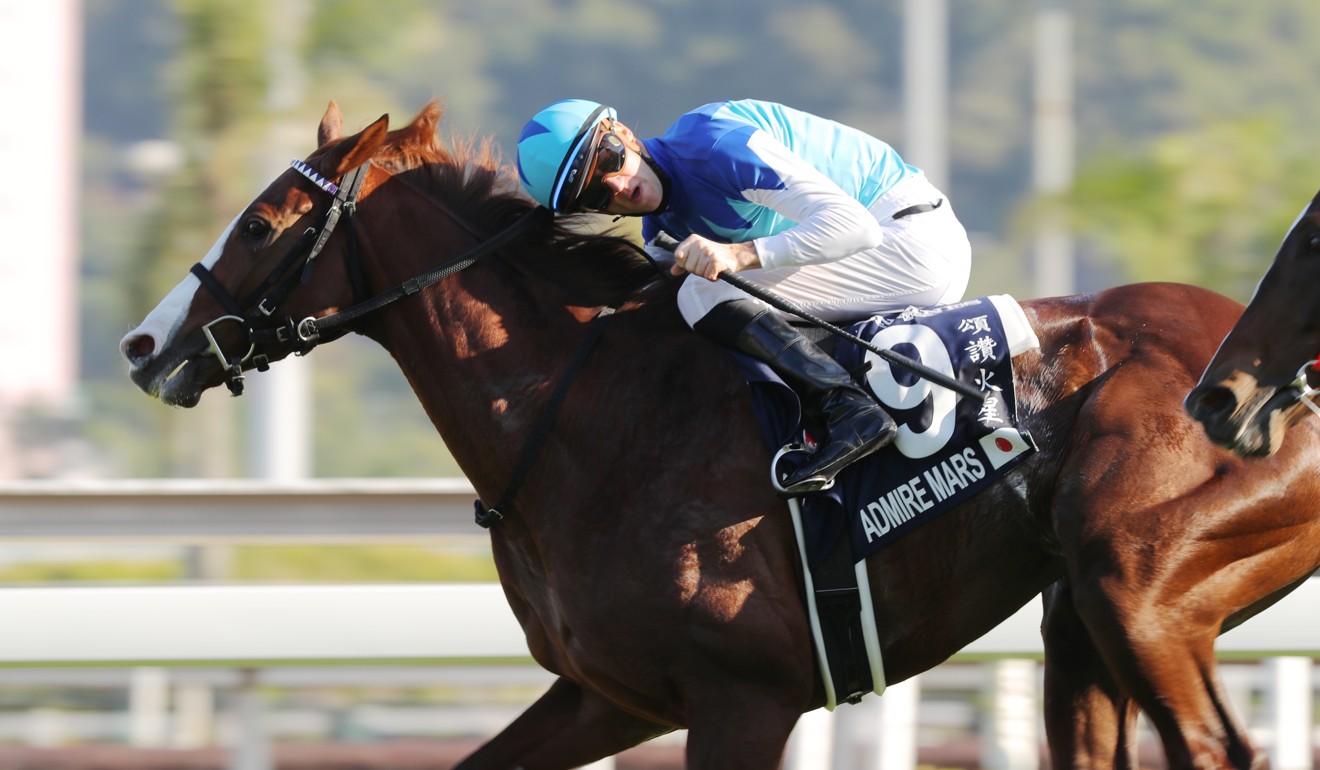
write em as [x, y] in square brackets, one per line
[566, 727]
[738, 728]
[1089, 721]
[1167, 664]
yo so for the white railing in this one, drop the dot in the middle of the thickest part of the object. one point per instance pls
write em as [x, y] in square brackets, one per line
[251, 629]
[199, 511]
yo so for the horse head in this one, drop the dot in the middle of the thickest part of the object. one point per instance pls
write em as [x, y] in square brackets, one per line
[239, 307]
[1259, 382]
[353, 227]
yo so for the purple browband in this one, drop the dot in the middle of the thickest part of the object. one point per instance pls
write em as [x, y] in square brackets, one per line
[317, 179]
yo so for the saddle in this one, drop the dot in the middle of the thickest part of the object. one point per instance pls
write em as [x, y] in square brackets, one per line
[948, 448]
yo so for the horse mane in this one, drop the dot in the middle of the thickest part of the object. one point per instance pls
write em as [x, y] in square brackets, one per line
[471, 178]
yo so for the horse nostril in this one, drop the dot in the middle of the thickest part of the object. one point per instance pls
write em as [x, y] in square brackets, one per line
[1210, 401]
[139, 347]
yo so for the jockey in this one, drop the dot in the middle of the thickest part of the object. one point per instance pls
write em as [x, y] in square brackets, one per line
[813, 210]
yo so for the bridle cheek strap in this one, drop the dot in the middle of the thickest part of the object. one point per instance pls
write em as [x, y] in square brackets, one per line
[345, 203]
[231, 364]
[1305, 393]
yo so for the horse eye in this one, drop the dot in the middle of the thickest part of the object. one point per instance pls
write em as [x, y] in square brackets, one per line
[1315, 243]
[256, 228]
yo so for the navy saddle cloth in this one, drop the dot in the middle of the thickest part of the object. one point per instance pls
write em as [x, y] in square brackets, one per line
[948, 447]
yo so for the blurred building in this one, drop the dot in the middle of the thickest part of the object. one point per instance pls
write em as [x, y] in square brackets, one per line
[39, 86]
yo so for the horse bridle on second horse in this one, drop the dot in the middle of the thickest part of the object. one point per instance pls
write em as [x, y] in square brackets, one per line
[306, 334]
[1305, 393]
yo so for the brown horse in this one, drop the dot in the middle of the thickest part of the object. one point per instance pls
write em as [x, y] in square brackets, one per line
[641, 547]
[1259, 382]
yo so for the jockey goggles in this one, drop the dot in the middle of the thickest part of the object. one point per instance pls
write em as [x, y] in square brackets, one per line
[608, 159]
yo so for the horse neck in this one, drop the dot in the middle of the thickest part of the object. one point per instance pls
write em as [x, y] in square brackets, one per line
[480, 349]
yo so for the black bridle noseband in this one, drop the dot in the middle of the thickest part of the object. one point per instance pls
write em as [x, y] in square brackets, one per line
[262, 303]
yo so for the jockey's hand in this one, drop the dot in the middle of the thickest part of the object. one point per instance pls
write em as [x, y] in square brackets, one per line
[706, 258]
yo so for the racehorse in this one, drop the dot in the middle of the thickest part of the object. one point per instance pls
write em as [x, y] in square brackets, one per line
[1258, 384]
[625, 479]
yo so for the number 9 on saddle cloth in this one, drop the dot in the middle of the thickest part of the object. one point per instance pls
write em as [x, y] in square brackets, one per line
[948, 447]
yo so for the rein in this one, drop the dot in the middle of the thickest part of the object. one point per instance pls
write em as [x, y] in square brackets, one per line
[310, 329]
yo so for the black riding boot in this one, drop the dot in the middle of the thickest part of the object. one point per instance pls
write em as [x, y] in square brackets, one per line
[852, 425]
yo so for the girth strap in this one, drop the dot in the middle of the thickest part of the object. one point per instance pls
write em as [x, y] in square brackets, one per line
[839, 605]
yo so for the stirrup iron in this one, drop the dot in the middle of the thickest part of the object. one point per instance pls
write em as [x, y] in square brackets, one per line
[803, 487]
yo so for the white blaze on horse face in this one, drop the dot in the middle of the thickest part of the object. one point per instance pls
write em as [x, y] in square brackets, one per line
[166, 317]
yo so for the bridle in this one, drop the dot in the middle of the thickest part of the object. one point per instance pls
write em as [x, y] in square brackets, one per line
[311, 331]
[1305, 393]
[1302, 384]
[262, 303]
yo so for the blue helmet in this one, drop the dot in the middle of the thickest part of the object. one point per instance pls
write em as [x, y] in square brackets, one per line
[555, 148]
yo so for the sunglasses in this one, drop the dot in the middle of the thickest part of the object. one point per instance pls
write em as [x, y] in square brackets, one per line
[608, 159]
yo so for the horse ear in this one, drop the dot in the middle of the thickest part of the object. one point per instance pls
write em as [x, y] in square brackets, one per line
[356, 149]
[332, 125]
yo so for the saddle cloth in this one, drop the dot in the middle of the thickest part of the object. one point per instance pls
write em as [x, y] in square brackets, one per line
[948, 447]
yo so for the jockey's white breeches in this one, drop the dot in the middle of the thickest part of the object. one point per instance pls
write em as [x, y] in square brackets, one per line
[924, 260]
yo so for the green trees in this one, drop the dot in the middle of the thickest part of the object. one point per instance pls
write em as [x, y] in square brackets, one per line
[1206, 206]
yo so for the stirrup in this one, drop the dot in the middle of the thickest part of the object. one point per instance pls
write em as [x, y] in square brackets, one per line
[805, 486]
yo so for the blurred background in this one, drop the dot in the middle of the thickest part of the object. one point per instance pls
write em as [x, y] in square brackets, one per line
[1084, 144]
[1185, 133]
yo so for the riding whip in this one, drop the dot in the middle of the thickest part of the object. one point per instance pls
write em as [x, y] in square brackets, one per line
[788, 306]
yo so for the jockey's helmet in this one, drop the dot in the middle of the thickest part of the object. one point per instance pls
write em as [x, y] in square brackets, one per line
[555, 149]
